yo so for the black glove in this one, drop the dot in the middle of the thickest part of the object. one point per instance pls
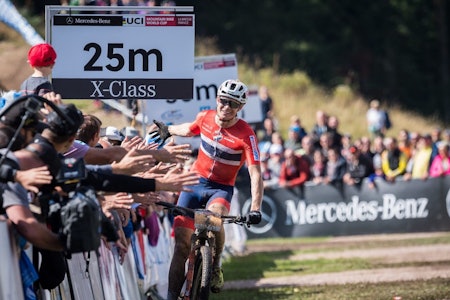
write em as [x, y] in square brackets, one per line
[254, 217]
[160, 135]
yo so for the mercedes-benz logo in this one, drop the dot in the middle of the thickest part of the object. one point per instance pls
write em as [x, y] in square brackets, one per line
[69, 20]
[268, 213]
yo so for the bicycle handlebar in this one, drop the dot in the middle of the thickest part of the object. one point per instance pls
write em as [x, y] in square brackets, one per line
[177, 210]
[189, 212]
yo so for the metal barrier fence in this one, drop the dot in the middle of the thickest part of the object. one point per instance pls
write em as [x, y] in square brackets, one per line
[406, 206]
[10, 279]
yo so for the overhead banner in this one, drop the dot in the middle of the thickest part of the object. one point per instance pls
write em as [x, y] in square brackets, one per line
[209, 73]
[327, 210]
[123, 56]
[11, 17]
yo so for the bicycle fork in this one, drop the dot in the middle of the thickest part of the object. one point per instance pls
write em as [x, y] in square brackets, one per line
[198, 240]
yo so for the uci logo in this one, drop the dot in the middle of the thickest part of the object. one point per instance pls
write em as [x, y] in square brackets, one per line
[133, 21]
[268, 212]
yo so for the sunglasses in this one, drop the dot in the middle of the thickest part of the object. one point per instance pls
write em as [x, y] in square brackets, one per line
[230, 103]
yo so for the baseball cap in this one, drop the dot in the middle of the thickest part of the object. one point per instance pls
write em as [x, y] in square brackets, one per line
[276, 149]
[295, 128]
[129, 131]
[112, 133]
[41, 55]
[353, 149]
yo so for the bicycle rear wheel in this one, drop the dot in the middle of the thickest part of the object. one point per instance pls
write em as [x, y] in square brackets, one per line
[202, 274]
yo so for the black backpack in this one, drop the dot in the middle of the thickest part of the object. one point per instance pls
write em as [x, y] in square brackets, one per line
[81, 221]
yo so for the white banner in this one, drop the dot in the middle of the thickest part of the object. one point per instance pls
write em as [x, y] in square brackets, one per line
[123, 56]
[209, 73]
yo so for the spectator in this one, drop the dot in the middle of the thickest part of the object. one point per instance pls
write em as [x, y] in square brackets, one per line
[404, 143]
[112, 136]
[436, 134]
[326, 143]
[346, 142]
[335, 168]
[294, 140]
[376, 119]
[446, 136]
[268, 130]
[435, 137]
[393, 161]
[41, 58]
[270, 178]
[266, 103]
[320, 127]
[377, 173]
[440, 166]
[318, 167]
[297, 123]
[89, 132]
[275, 160]
[377, 150]
[413, 139]
[307, 150]
[294, 170]
[358, 167]
[333, 128]
[366, 147]
[277, 139]
[419, 163]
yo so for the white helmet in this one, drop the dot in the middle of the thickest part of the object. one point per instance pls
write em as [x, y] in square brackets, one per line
[233, 89]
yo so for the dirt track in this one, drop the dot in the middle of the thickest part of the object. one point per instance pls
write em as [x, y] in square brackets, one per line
[437, 255]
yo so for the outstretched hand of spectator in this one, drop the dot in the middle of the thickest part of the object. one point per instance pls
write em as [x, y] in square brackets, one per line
[174, 153]
[133, 163]
[117, 201]
[130, 143]
[31, 179]
[146, 198]
[176, 180]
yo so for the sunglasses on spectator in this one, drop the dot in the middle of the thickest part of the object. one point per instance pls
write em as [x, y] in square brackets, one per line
[232, 104]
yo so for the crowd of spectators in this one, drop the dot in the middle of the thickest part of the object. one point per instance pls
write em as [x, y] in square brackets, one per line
[325, 155]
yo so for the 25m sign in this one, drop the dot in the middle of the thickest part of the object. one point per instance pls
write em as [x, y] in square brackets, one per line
[123, 56]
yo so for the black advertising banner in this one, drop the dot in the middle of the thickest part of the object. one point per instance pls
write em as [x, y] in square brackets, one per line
[326, 210]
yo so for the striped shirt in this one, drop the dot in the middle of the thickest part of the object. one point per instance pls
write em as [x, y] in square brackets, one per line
[223, 151]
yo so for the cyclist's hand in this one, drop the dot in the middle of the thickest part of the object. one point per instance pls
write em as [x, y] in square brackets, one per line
[160, 135]
[254, 217]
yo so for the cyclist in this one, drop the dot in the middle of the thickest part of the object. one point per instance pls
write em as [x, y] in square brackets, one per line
[227, 142]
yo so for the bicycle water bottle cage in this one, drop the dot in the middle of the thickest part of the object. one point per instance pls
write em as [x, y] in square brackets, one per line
[205, 219]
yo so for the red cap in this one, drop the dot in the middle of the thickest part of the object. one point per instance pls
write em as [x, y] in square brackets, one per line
[41, 55]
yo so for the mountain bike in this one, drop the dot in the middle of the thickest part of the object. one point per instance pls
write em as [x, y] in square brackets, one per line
[202, 253]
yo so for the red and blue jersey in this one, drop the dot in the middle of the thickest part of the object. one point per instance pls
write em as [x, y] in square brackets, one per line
[223, 151]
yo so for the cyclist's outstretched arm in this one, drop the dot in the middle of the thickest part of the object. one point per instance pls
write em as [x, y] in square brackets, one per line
[180, 129]
[257, 187]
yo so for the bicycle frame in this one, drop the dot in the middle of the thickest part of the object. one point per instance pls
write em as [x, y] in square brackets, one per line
[206, 223]
[201, 237]
[203, 240]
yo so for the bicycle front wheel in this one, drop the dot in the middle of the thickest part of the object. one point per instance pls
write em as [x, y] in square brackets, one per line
[202, 274]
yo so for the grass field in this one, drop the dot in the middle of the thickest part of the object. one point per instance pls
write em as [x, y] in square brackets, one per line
[272, 265]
